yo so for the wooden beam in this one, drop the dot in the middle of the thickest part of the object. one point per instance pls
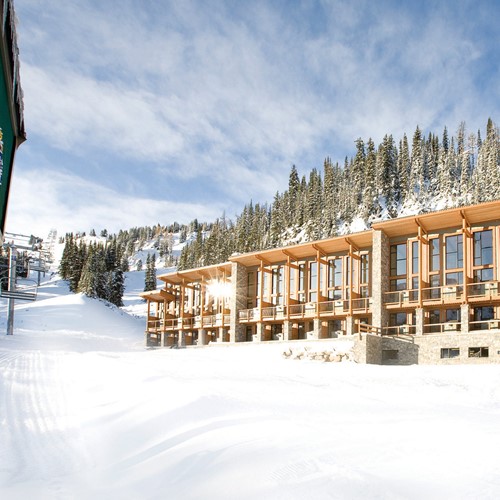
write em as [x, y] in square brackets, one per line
[263, 261]
[351, 245]
[465, 225]
[421, 232]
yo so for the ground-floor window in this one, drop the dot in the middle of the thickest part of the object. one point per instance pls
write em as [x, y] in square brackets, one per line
[479, 352]
[450, 352]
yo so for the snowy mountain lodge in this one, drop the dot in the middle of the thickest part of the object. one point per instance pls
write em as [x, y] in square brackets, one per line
[419, 289]
[12, 132]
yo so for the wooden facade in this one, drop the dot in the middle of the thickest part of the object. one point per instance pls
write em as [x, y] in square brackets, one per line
[435, 274]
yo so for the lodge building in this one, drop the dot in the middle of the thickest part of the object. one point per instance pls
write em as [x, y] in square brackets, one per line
[418, 289]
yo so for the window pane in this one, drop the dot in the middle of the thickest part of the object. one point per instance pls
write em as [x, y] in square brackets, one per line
[454, 278]
[454, 252]
[483, 248]
[338, 272]
[414, 251]
[434, 264]
[313, 276]
[452, 314]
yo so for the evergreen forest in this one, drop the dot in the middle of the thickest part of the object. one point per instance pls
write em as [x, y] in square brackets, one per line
[394, 178]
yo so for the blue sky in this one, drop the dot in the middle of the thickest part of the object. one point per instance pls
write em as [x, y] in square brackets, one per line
[155, 111]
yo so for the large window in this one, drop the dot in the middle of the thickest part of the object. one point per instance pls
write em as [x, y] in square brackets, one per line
[435, 255]
[364, 276]
[483, 248]
[482, 316]
[483, 257]
[277, 286]
[454, 252]
[335, 279]
[365, 268]
[313, 282]
[398, 267]
[302, 283]
[252, 289]
[414, 257]
[482, 275]
[398, 259]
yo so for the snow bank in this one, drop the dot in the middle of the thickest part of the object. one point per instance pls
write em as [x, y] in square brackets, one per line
[88, 413]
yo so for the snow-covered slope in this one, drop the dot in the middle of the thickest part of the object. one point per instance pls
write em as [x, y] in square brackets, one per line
[86, 412]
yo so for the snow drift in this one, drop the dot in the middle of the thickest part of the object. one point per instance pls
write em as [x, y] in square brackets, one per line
[88, 413]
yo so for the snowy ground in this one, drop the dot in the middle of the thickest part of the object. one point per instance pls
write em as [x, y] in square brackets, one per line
[88, 413]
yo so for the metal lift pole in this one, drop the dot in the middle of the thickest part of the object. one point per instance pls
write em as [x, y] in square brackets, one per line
[12, 287]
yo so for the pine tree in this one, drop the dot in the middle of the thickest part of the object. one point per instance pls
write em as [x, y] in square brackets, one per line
[116, 287]
[370, 204]
[150, 276]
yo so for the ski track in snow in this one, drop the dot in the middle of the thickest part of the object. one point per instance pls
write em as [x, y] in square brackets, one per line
[87, 413]
[34, 396]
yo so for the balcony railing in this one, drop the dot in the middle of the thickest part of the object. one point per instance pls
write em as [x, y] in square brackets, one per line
[401, 297]
[448, 327]
[487, 290]
[156, 325]
[440, 294]
[400, 330]
[307, 310]
[490, 324]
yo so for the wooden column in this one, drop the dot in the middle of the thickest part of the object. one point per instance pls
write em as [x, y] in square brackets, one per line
[466, 239]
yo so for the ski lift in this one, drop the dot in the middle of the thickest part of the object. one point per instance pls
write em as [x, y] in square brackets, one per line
[25, 289]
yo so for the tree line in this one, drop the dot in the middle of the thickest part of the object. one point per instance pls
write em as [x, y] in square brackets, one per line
[96, 269]
[379, 182]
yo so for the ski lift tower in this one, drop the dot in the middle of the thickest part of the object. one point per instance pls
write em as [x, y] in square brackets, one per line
[12, 132]
[10, 287]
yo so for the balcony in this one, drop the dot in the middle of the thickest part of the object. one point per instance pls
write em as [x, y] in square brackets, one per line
[448, 294]
[307, 310]
[401, 298]
[489, 324]
[399, 330]
[448, 327]
[430, 296]
[487, 291]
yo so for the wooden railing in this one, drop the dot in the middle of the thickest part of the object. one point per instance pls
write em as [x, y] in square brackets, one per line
[448, 327]
[399, 330]
[487, 290]
[441, 294]
[155, 324]
[306, 310]
[490, 324]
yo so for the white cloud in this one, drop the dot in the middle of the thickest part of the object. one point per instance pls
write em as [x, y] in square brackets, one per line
[233, 95]
[68, 202]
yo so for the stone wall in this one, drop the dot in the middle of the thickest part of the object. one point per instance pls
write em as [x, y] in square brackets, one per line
[427, 349]
[430, 348]
[238, 301]
[380, 277]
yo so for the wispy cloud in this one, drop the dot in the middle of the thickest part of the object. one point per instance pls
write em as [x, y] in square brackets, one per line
[82, 204]
[231, 94]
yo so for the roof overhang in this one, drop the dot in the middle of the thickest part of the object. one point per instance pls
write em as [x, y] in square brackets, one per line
[158, 296]
[201, 274]
[444, 219]
[338, 244]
